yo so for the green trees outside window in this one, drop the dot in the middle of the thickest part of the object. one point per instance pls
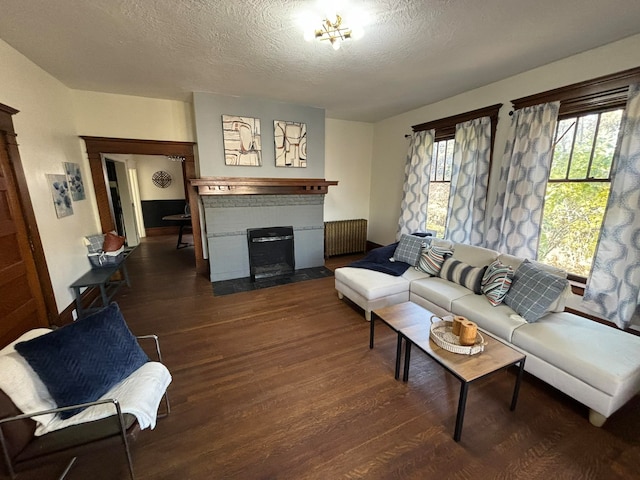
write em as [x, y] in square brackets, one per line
[578, 190]
[440, 186]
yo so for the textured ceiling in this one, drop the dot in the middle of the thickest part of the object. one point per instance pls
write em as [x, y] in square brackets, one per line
[413, 52]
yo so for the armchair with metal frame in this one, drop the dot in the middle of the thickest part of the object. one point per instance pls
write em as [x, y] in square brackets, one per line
[21, 448]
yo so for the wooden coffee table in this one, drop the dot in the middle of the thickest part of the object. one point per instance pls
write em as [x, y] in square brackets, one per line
[466, 368]
[399, 316]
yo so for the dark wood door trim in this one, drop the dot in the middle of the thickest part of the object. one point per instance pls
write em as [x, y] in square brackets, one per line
[96, 146]
[7, 130]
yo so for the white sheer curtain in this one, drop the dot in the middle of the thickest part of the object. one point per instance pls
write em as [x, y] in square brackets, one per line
[515, 221]
[413, 209]
[613, 289]
[469, 179]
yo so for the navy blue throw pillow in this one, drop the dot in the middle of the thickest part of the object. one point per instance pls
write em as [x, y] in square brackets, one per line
[80, 362]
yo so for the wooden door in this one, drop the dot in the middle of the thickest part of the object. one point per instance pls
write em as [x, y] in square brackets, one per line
[22, 304]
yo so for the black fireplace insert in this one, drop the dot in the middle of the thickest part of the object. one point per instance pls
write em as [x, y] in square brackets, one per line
[271, 252]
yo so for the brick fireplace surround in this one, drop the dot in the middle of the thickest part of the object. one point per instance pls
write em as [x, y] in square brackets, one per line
[232, 205]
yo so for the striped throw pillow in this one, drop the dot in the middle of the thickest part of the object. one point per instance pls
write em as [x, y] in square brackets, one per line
[463, 274]
[497, 282]
[432, 258]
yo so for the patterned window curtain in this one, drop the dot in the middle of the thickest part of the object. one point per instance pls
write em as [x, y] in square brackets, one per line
[413, 209]
[469, 179]
[515, 221]
[613, 289]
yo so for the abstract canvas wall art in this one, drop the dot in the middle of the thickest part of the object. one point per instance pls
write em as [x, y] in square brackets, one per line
[74, 179]
[291, 143]
[60, 193]
[242, 144]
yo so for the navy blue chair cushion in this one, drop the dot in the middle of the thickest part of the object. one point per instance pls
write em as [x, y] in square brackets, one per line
[80, 362]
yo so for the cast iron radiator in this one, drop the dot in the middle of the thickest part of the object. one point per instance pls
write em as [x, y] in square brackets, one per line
[345, 236]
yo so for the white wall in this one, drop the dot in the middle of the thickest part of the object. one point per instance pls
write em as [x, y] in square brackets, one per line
[47, 136]
[348, 151]
[147, 165]
[50, 120]
[124, 116]
[390, 146]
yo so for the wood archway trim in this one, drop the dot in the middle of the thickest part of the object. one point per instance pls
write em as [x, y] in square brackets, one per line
[96, 146]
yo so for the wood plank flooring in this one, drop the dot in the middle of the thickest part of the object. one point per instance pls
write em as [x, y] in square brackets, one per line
[280, 383]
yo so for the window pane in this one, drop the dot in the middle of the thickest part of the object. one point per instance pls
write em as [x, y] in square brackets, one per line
[571, 222]
[437, 207]
[440, 161]
[439, 189]
[562, 150]
[583, 145]
[605, 144]
[434, 162]
[448, 159]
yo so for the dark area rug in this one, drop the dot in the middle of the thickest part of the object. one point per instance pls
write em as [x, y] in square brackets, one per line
[227, 287]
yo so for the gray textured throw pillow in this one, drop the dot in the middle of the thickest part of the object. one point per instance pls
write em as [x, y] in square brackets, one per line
[408, 249]
[533, 290]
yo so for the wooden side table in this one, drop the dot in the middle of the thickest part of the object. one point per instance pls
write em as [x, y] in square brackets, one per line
[185, 221]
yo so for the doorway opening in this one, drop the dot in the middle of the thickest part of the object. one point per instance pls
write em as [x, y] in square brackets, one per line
[99, 146]
[116, 201]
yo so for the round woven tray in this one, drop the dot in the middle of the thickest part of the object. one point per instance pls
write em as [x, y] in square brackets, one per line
[442, 335]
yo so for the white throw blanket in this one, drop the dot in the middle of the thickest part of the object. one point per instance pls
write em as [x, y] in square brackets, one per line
[139, 394]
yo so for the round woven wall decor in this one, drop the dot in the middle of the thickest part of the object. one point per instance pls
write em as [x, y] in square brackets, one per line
[161, 179]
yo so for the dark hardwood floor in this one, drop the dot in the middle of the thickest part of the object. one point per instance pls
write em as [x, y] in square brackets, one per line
[280, 383]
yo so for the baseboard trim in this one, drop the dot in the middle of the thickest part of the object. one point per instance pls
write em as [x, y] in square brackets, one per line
[158, 231]
[66, 316]
[371, 245]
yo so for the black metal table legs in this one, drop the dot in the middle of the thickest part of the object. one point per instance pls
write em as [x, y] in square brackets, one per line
[464, 385]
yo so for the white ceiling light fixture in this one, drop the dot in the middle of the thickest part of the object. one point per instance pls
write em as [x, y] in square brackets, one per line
[334, 31]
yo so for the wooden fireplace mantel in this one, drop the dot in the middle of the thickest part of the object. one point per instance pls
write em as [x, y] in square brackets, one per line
[261, 186]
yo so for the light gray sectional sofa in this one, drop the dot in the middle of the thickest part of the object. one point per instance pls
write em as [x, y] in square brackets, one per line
[595, 364]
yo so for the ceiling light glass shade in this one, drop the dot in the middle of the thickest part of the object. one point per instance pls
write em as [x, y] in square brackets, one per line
[336, 44]
[357, 32]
